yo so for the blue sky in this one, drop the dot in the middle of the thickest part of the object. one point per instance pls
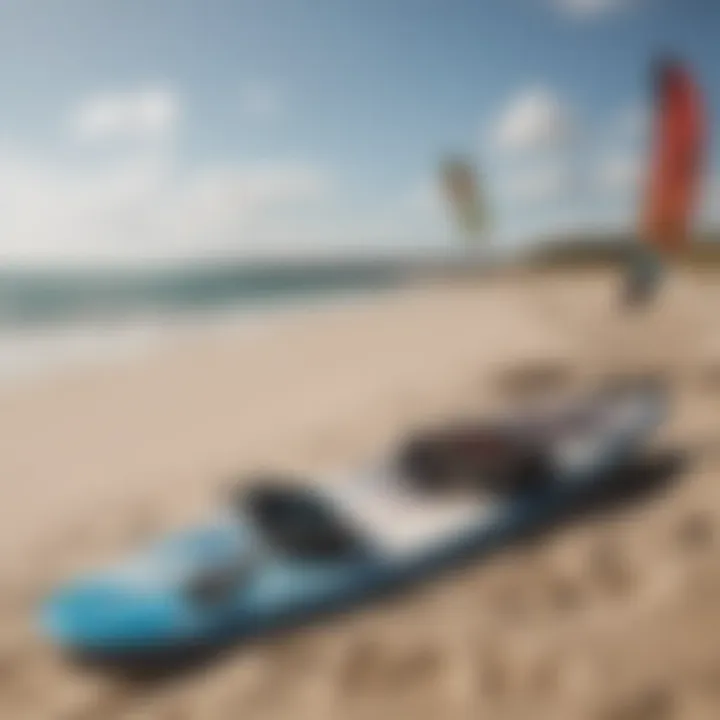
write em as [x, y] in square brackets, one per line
[191, 127]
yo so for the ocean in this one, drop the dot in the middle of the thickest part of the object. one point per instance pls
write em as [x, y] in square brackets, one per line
[57, 316]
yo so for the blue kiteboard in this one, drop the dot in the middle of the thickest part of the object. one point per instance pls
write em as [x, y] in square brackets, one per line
[276, 556]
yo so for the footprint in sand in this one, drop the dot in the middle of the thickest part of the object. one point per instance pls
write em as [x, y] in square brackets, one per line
[492, 674]
[92, 701]
[13, 660]
[565, 577]
[369, 667]
[696, 532]
[566, 593]
[534, 379]
[545, 677]
[510, 602]
[360, 667]
[610, 569]
[709, 680]
[657, 702]
[709, 379]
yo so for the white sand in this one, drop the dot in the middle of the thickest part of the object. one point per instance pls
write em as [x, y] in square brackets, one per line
[612, 619]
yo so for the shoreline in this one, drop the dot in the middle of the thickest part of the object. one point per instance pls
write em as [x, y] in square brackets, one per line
[34, 352]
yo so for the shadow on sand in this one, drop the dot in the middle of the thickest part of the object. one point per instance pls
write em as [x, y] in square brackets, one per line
[643, 480]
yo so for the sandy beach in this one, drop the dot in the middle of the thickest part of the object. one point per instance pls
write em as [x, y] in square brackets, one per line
[613, 618]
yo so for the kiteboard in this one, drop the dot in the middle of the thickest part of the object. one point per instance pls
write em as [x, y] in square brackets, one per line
[279, 553]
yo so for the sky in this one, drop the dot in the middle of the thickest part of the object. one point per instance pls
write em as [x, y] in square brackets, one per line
[140, 129]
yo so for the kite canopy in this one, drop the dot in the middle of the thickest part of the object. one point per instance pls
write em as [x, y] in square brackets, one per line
[677, 159]
[460, 184]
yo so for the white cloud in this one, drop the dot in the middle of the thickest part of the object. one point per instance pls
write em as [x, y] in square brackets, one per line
[146, 113]
[590, 8]
[141, 203]
[534, 169]
[145, 207]
[142, 207]
[262, 100]
[535, 120]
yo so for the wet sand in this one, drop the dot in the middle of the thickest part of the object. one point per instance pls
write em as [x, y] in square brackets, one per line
[613, 617]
